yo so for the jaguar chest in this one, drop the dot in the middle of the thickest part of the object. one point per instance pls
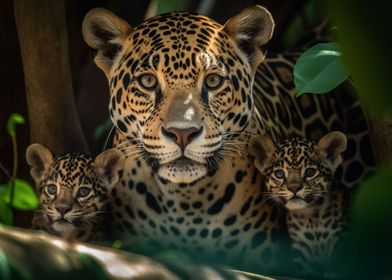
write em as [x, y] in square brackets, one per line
[223, 218]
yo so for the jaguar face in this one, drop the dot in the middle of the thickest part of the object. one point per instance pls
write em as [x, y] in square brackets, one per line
[181, 84]
[72, 187]
[297, 172]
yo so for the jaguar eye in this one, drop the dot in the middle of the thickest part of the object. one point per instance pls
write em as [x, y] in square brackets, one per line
[279, 174]
[83, 192]
[148, 81]
[213, 81]
[310, 172]
[51, 189]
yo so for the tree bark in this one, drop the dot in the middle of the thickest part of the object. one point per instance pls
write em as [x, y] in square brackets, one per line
[51, 106]
[381, 137]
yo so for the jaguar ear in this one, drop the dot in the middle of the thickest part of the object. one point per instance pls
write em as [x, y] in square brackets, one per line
[107, 166]
[40, 159]
[263, 149]
[331, 147]
[251, 29]
[105, 33]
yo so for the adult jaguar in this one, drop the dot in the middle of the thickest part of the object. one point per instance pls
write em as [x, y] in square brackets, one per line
[182, 104]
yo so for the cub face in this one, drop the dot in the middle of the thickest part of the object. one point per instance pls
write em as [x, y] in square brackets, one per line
[73, 188]
[298, 172]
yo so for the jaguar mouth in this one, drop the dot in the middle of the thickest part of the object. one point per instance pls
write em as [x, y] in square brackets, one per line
[295, 203]
[62, 226]
[182, 170]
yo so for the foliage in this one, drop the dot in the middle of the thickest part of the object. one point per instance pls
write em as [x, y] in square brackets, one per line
[364, 36]
[319, 69]
[366, 253]
[300, 24]
[16, 193]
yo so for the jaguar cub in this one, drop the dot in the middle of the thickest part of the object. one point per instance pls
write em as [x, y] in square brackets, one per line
[73, 190]
[298, 174]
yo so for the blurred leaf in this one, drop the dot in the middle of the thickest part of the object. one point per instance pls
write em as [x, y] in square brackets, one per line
[6, 216]
[368, 254]
[308, 17]
[103, 129]
[172, 255]
[166, 6]
[13, 120]
[5, 271]
[93, 266]
[117, 244]
[25, 197]
[364, 35]
[319, 69]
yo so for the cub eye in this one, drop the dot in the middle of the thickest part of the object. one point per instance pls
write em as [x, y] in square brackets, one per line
[279, 174]
[213, 81]
[148, 81]
[310, 172]
[83, 192]
[51, 189]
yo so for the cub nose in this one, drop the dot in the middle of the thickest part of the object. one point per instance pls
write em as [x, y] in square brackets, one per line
[294, 187]
[182, 136]
[63, 209]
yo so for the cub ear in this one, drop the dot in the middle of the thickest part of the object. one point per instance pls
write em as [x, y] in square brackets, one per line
[40, 159]
[105, 33]
[331, 147]
[251, 29]
[107, 166]
[263, 149]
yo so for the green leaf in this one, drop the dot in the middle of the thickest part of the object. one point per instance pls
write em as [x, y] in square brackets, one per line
[13, 120]
[25, 197]
[6, 215]
[319, 69]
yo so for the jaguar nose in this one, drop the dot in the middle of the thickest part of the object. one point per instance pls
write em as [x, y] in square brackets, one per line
[294, 187]
[182, 136]
[63, 209]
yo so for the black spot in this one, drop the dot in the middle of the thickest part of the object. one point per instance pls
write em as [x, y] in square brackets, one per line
[126, 81]
[130, 184]
[309, 236]
[230, 220]
[216, 233]
[152, 203]
[141, 188]
[197, 220]
[175, 230]
[239, 176]
[204, 233]
[246, 206]
[191, 232]
[197, 204]
[122, 126]
[142, 214]
[232, 243]
[184, 205]
[258, 239]
[261, 220]
[218, 205]
[119, 95]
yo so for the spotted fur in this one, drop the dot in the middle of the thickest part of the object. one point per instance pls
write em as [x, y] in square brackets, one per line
[183, 108]
[298, 174]
[73, 191]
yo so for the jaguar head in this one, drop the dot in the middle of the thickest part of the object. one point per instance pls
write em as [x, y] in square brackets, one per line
[181, 84]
